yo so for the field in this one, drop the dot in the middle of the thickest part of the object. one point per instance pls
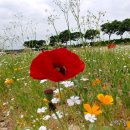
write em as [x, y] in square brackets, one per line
[107, 72]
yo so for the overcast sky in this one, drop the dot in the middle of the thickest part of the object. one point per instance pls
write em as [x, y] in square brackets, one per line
[35, 10]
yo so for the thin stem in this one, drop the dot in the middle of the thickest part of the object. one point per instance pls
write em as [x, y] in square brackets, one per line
[63, 110]
[59, 120]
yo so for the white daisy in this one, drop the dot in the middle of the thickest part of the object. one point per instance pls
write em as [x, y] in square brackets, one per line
[55, 100]
[73, 100]
[47, 117]
[41, 110]
[89, 117]
[67, 83]
[60, 115]
[42, 128]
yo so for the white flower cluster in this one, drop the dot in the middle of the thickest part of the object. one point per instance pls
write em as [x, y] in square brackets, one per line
[41, 110]
[67, 83]
[59, 114]
[55, 100]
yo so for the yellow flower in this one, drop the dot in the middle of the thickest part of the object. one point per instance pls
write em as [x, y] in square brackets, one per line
[15, 69]
[94, 110]
[9, 81]
[57, 95]
[128, 124]
[45, 100]
[105, 99]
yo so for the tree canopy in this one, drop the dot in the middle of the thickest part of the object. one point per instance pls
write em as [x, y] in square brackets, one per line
[91, 34]
[116, 27]
[35, 44]
[76, 36]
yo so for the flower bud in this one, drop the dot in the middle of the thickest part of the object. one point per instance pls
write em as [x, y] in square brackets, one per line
[48, 94]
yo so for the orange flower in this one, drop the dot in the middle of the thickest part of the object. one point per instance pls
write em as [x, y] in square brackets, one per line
[105, 99]
[95, 82]
[98, 81]
[94, 110]
[128, 124]
[9, 81]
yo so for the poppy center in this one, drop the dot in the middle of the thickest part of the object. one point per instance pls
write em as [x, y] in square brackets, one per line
[61, 69]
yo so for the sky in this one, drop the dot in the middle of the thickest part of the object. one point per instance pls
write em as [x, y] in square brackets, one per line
[31, 16]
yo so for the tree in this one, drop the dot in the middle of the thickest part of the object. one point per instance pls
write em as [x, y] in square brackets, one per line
[91, 34]
[121, 30]
[64, 36]
[76, 36]
[108, 29]
[115, 25]
[124, 26]
[35, 44]
[54, 40]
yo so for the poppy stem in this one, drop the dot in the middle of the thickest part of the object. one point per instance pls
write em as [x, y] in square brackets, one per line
[63, 110]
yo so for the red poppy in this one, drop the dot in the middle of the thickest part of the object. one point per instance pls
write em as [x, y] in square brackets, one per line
[56, 65]
[110, 46]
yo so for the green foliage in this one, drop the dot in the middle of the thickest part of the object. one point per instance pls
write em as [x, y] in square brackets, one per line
[92, 127]
[54, 40]
[116, 27]
[91, 34]
[35, 44]
[64, 36]
[111, 28]
[124, 26]
[126, 23]
[107, 65]
[125, 41]
[108, 29]
[76, 36]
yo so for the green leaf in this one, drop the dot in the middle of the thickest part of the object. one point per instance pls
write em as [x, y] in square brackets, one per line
[105, 128]
[92, 127]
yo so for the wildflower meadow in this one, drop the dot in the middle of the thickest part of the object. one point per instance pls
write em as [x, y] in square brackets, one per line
[75, 90]
[58, 85]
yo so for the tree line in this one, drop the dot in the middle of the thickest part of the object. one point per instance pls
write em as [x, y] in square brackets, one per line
[109, 28]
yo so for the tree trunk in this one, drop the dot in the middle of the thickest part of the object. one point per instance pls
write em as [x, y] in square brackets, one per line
[121, 36]
[109, 37]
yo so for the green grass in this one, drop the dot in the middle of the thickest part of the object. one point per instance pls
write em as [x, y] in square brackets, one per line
[25, 95]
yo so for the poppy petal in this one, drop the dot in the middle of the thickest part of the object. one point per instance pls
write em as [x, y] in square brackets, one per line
[56, 65]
